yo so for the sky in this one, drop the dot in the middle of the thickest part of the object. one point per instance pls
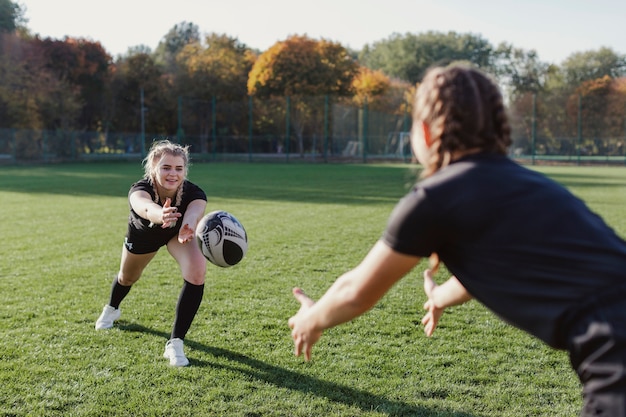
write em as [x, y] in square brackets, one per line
[555, 29]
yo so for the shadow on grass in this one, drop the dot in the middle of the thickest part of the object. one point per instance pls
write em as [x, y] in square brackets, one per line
[285, 378]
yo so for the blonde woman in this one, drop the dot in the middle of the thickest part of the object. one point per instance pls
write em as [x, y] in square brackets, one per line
[164, 210]
[514, 240]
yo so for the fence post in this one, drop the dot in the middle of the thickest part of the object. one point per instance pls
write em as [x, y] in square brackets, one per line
[44, 144]
[214, 126]
[287, 127]
[533, 131]
[326, 128]
[365, 130]
[405, 127]
[249, 128]
[143, 124]
[14, 143]
[580, 128]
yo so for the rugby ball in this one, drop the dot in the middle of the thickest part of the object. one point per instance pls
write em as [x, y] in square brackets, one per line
[222, 238]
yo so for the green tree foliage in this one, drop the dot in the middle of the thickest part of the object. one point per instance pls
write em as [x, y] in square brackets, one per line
[173, 42]
[520, 71]
[590, 65]
[11, 16]
[131, 75]
[218, 67]
[408, 56]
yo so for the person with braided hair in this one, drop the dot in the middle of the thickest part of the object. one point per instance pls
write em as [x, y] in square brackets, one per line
[165, 208]
[516, 241]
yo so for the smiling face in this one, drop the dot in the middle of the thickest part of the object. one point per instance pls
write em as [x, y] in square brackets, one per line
[169, 174]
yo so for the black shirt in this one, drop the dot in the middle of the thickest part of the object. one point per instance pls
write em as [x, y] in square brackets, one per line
[520, 243]
[191, 192]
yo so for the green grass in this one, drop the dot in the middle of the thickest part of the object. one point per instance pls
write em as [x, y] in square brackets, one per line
[61, 237]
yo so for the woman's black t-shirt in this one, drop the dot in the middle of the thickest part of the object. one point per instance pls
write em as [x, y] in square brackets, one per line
[144, 237]
[520, 243]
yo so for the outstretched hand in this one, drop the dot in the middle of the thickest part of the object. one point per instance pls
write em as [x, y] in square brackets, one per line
[303, 334]
[169, 215]
[431, 319]
[185, 234]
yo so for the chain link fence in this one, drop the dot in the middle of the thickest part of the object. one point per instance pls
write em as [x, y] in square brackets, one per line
[316, 129]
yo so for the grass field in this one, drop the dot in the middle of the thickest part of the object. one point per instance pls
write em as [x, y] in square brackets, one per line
[61, 237]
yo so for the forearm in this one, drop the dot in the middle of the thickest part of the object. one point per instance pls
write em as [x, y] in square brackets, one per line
[450, 293]
[340, 304]
[194, 213]
[151, 212]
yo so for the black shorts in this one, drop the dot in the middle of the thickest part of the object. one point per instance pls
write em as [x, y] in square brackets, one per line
[597, 348]
[141, 242]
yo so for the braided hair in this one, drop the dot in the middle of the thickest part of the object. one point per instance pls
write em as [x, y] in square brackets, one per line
[151, 165]
[464, 110]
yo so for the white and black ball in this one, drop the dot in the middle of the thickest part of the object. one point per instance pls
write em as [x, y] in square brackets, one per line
[222, 238]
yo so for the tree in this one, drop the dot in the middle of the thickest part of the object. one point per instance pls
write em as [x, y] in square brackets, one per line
[84, 66]
[131, 75]
[173, 42]
[592, 65]
[11, 16]
[369, 86]
[216, 69]
[32, 97]
[602, 104]
[409, 56]
[520, 70]
[302, 67]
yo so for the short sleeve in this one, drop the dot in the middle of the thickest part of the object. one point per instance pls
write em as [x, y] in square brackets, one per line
[193, 192]
[414, 226]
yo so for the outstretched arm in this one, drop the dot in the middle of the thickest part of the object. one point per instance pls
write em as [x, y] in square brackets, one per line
[143, 205]
[440, 297]
[193, 214]
[351, 295]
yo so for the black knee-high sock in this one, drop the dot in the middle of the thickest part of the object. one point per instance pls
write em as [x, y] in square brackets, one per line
[118, 292]
[188, 303]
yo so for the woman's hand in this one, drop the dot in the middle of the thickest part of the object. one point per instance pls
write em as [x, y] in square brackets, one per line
[440, 297]
[303, 335]
[431, 319]
[185, 234]
[169, 214]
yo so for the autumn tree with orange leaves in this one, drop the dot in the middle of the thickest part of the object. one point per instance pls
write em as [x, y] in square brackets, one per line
[302, 67]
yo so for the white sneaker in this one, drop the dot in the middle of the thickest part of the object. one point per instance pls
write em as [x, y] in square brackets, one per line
[174, 352]
[108, 316]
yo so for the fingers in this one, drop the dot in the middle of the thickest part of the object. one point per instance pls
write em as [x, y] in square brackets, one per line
[304, 300]
[300, 346]
[185, 234]
[170, 214]
[303, 340]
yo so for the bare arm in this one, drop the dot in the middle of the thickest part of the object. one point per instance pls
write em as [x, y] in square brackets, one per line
[352, 294]
[193, 214]
[143, 205]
